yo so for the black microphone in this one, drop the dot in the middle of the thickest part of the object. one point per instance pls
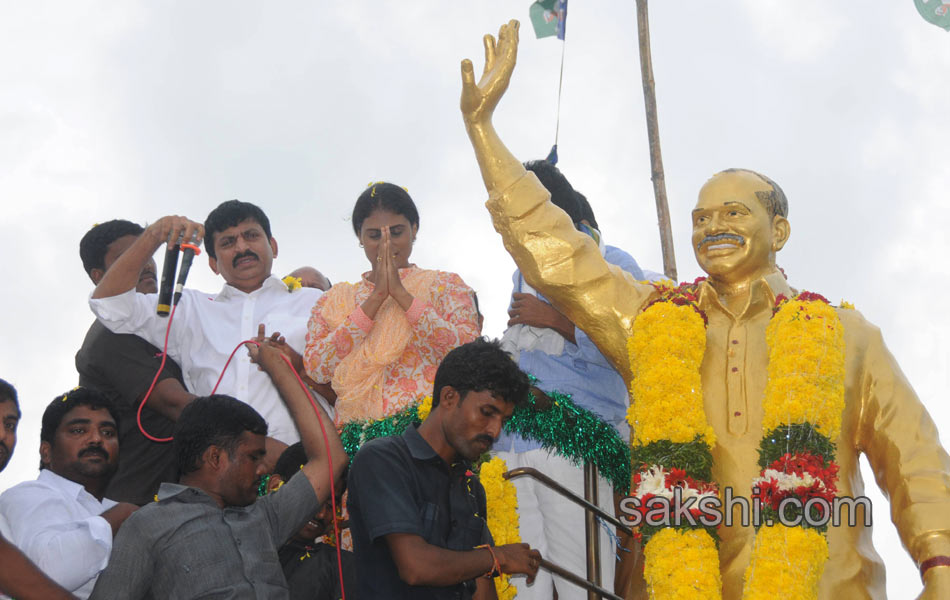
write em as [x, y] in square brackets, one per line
[187, 255]
[168, 276]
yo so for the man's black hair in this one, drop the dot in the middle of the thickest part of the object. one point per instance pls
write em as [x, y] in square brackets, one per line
[387, 196]
[217, 420]
[481, 365]
[8, 394]
[231, 213]
[291, 460]
[94, 245]
[587, 213]
[562, 193]
[62, 404]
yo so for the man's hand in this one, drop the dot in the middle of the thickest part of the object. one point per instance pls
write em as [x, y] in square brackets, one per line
[265, 353]
[479, 100]
[124, 272]
[173, 228]
[527, 309]
[518, 559]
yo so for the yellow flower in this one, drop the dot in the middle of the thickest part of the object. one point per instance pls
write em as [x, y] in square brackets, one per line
[787, 562]
[501, 501]
[806, 368]
[666, 350]
[293, 283]
[425, 407]
[846, 305]
[682, 565]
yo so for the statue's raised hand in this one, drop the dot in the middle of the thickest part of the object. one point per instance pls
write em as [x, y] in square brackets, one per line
[479, 100]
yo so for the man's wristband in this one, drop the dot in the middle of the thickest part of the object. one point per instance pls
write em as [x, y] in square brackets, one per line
[934, 561]
[496, 567]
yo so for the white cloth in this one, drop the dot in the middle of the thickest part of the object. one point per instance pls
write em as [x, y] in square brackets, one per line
[208, 327]
[56, 523]
[554, 525]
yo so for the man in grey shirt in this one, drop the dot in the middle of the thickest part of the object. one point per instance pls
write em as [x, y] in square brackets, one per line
[207, 537]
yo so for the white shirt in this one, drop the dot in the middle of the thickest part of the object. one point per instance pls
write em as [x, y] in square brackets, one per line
[208, 327]
[56, 523]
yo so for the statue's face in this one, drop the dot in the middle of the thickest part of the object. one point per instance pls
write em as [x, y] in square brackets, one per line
[734, 238]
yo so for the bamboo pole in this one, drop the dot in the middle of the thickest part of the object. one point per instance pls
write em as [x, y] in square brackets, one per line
[653, 132]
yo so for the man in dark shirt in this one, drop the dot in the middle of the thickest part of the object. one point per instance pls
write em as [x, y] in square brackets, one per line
[122, 367]
[311, 567]
[417, 512]
[209, 536]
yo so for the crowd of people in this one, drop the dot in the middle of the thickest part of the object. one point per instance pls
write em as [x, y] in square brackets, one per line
[151, 468]
[162, 476]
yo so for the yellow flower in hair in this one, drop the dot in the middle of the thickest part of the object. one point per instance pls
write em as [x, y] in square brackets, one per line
[425, 407]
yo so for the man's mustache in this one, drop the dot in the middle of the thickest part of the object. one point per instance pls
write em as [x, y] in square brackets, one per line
[94, 450]
[245, 254]
[485, 438]
[711, 239]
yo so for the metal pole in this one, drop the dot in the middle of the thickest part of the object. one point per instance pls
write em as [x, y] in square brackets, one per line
[653, 132]
[591, 530]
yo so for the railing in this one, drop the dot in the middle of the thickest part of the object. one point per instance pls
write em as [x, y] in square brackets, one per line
[592, 533]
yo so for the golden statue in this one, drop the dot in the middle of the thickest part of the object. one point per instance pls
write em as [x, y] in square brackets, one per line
[739, 224]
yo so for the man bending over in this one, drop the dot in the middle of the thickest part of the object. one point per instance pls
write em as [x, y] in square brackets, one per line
[207, 537]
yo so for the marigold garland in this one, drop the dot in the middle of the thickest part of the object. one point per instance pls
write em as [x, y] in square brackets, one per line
[682, 565]
[787, 563]
[671, 441]
[804, 399]
[501, 501]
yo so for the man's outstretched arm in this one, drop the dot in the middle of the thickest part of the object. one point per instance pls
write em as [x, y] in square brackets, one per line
[124, 272]
[304, 414]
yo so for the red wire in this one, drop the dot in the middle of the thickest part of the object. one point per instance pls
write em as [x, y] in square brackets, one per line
[138, 414]
[303, 386]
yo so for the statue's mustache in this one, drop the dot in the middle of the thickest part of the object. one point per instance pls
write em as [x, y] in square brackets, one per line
[711, 239]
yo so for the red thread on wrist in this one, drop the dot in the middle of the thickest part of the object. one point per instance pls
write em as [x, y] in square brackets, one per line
[496, 566]
[934, 561]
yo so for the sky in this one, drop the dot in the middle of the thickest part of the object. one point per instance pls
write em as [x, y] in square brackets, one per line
[140, 109]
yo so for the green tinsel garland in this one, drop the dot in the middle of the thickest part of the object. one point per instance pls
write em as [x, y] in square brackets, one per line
[573, 432]
[576, 434]
[356, 433]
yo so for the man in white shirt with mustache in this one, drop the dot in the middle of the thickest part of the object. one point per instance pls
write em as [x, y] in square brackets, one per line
[207, 327]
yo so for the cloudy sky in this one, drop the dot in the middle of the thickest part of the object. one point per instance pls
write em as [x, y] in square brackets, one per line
[137, 110]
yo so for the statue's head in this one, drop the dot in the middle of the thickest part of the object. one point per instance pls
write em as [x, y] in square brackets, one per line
[739, 223]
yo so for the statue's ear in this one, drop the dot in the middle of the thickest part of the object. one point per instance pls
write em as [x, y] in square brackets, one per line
[781, 229]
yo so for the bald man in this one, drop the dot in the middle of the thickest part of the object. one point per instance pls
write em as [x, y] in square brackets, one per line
[311, 278]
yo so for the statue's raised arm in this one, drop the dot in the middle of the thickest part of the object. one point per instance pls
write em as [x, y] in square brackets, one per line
[556, 259]
[499, 167]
